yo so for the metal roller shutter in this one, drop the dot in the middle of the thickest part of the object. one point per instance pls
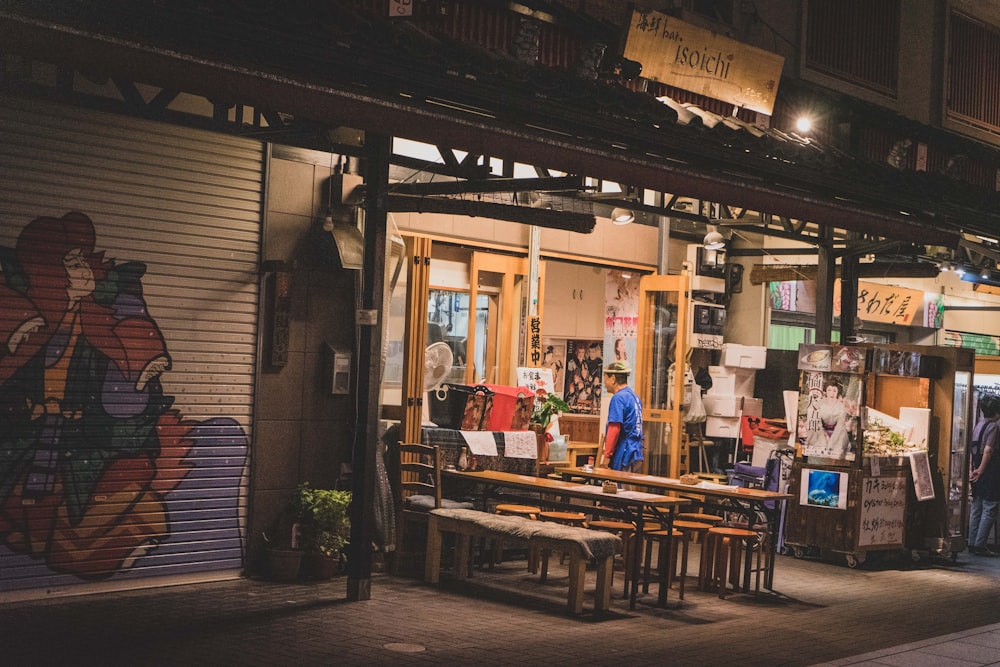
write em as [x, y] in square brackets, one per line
[106, 479]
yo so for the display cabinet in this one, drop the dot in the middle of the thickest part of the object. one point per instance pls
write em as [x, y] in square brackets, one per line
[890, 493]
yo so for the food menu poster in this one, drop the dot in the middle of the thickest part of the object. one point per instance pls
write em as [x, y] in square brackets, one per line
[883, 508]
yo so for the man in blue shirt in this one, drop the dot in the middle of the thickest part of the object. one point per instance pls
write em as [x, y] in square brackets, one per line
[623, 439]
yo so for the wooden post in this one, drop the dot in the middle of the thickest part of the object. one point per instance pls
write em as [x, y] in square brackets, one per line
[359, 562]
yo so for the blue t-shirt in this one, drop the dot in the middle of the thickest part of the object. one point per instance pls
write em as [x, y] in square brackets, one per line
[626, 409]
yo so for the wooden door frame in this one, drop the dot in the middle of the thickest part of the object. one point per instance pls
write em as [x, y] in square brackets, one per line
[649, 285]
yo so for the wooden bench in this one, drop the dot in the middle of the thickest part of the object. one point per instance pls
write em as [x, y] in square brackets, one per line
[582, 546]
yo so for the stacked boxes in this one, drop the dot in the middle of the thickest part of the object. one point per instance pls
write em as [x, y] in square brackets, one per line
[731, 395]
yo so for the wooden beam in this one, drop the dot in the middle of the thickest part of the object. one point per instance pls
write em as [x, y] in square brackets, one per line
[770, 273]
[581, 223]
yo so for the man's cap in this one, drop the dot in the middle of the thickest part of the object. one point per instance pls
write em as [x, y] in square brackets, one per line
[616, 367]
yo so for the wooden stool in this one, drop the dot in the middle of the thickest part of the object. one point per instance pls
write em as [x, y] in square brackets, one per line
[626, 531]
[722, 555]
[578, 519]
[666, 561]
[512, 509]
[699, 517]
[690, 530]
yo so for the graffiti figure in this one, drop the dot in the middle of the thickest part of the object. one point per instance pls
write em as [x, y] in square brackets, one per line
[85, 428]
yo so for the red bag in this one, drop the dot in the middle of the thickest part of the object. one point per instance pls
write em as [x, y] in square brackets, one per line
[512, 407]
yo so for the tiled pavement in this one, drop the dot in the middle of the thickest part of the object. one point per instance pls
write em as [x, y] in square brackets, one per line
[822, 612]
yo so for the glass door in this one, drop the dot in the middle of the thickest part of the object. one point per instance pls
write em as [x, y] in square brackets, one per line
[662, 341]
[498, 285]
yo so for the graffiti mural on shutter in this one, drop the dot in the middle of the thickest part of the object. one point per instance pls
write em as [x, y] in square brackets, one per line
[127, 338]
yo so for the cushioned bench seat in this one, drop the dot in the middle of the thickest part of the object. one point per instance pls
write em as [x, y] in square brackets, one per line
[582, 545]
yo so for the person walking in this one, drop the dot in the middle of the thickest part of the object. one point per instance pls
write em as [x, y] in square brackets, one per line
[984, 476]
[623, 439]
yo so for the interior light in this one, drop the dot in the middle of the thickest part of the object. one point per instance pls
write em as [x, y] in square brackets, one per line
[713, 239]
[803, 125]
[622, 216]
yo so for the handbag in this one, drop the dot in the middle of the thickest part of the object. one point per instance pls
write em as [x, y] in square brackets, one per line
[696, 413]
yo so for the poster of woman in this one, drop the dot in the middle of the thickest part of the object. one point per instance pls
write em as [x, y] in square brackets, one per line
[829, 405]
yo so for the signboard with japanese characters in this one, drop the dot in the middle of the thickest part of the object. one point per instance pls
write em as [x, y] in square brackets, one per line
[691, 58]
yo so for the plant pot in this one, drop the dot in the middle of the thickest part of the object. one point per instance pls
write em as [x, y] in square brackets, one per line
[321, 567]
[285, 564]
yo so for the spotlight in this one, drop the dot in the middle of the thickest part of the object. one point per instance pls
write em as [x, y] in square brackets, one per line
[803, 125]
[959, 270]
[622, 216]
[713, 239]
[986, 274]
[944, 266]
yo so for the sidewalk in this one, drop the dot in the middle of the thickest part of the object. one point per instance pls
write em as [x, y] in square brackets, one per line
[821, 613]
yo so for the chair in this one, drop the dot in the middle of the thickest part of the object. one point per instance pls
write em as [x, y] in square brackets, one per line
[419, 486]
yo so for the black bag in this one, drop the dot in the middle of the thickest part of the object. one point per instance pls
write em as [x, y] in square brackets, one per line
[459, 406]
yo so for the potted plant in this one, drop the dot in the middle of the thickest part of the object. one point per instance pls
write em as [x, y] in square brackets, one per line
[547, 405]
[325, 528]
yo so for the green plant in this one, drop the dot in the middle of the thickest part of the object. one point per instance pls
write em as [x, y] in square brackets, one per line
[323, 519]
[547, 404]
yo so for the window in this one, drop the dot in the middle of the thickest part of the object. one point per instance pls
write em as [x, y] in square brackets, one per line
[855, 40]
[974, 58]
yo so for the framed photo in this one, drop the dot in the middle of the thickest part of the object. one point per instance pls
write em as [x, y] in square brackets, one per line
[823, 488]
[920, 466]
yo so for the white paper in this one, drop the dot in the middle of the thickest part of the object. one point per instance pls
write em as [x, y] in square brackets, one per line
[920, 421]
[481, 443]
[520, 444]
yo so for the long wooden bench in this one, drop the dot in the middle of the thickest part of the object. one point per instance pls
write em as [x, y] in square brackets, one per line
[582, 546]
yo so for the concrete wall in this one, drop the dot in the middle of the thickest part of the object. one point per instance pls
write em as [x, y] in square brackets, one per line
[303, 434]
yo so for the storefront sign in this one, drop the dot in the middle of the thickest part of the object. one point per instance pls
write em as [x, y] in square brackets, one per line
[535, 340]
[876, 303]
[884, 303]
[701, 61]
[400, 7]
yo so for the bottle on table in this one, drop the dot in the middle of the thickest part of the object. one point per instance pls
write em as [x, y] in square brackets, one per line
[463, 459]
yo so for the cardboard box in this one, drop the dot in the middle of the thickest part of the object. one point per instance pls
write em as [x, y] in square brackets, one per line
[728, 381]
[723, 406]
[763, 448]
[753, 407]
[743, 356]
[722, 427]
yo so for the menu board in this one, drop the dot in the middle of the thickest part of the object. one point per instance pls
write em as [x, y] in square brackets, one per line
[883, 509]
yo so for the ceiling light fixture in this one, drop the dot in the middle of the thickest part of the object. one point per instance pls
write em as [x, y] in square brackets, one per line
[713, 239]
[622, 216]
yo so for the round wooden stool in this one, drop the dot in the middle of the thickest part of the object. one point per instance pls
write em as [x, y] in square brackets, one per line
[530, 511]
[690, 531]
[722, 555]
[513, 509]
[700, 517]
[626, 531]
[578, 519]
[666, 560]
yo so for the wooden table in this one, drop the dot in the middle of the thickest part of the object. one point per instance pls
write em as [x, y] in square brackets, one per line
[751, 503]
[630, 505]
